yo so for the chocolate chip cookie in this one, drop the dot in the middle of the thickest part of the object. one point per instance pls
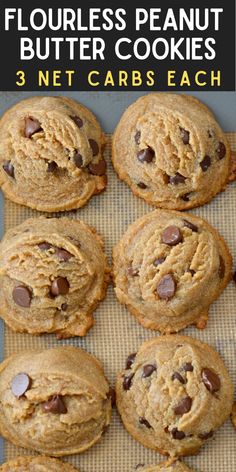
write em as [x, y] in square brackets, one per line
[169, 466]
[53, 274]
[51, 154]
[169, 268]
[173, 394]
[36, 464]
[53, 401]
[171, 151]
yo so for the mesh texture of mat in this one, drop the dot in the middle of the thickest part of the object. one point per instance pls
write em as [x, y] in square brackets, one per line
[116, 333]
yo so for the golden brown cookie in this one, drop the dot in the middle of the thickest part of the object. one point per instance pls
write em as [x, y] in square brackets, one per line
[51, 154]
[233, 415]
[53, 274]
[173, 394]
[36, 464]
[54, 401]
[169, 466]
[171, 151]
[168, 269]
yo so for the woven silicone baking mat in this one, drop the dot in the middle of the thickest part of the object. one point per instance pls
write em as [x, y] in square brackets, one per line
[116, 333]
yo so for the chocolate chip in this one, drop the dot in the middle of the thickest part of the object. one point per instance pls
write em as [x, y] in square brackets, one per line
[137, 137]
[171, 236]
[191, 226]
[186, 197]
[127, 382]
[184, 406]
[98, 168]
[133, 272]
[32, 126]
[94, 146]
[64, 306]
[77, 120]
[44, 246]
[146, 155]
[176, 434]
[206, 435]
[142, 185]
[22, 296]
[78, 160]
[159, 261]
[55, 405]
[221, 270]
[59, 286]
[148, 370]
[184, 135]
[130, 360]
[188, 367]
[9, 169]
[52, 166]
[221, 150]
[166, 287]
[211, 380]
[191, 271]
[177, 179]
[206, 162]
[20, 384]
[62, 254]
[112, 395]
[144, 422]
[105, 428]
[177, 376]
[234, 276]
[209, 134]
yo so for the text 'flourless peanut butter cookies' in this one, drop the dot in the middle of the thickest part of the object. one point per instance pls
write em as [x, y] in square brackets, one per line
[173, 394]
[53, 274]
[169, 466]
[51, 154]
[171, 151]
[36, 464]
[54, 401]
[169, 268]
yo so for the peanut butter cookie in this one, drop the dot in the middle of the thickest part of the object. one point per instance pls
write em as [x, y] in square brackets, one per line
[169, 268]
[54, 401]
[51, 154]
[36, 464]
[169, 466]
[173, 394]
[53, 274]
[171, 151]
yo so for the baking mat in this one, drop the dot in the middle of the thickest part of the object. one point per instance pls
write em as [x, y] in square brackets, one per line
[116, 333]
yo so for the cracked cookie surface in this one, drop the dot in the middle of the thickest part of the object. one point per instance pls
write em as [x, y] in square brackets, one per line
[173, 394]
[53, 274]
[36, 464]
[51, 154]
[168, 268]
[171, 151]
[54, 401]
